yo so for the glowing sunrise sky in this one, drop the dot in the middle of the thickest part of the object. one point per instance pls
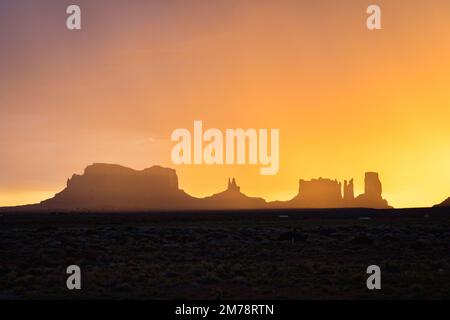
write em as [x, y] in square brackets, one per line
[346, 100]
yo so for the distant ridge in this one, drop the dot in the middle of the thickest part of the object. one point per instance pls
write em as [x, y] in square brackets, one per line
[111, 187]
[446, 203]
[232, 197]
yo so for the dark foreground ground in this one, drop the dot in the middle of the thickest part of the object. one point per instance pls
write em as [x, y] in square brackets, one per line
[241, 255]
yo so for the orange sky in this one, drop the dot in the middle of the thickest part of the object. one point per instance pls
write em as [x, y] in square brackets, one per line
[346, 100]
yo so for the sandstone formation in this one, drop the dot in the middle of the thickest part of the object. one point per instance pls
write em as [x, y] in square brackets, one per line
[232, 198]
[349, 194]
[109, 187]
[371, 198]
[326, 193]
[319, 193]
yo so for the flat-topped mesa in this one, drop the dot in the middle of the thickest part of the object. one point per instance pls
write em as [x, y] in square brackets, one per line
[105, 169]
[320, 193]
[100, 176]
[327, 193]
[115, 186]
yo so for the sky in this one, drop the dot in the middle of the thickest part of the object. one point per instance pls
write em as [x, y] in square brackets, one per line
[346, 100]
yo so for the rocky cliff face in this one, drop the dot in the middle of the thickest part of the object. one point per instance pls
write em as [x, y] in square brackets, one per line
[371, 198]
[319, 193]
[326, 193]
[104, 187]
[108, 186]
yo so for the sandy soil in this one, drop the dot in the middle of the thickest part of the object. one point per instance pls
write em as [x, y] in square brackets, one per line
[224, 255]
